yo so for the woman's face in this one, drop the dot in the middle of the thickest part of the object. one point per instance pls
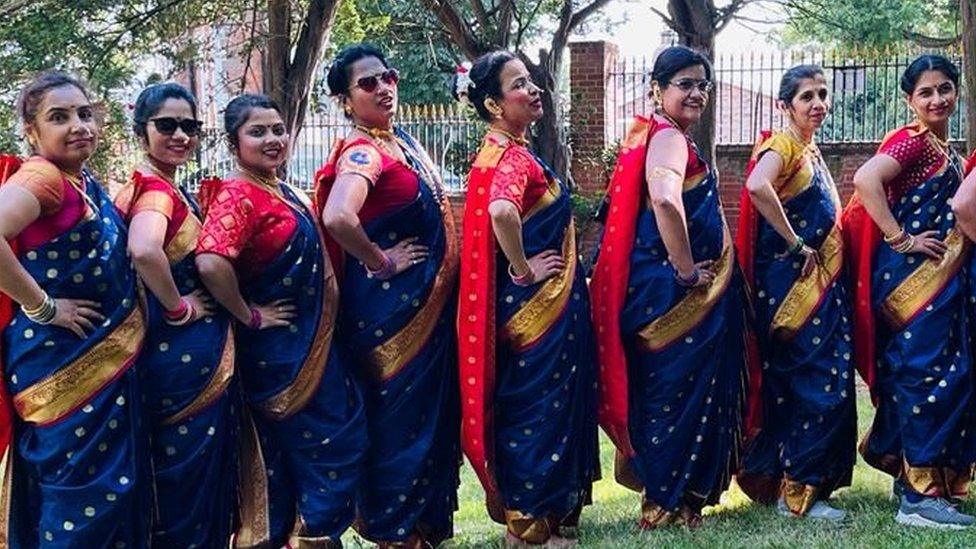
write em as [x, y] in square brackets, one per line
[64, 129]
[372, 93]
[173, 149]
[262, 141]
[684, 97]
[934, 98]
[521, 100]
[810, 105]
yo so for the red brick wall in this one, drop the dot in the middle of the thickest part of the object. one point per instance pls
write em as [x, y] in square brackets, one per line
[842, 160]
[589, 75]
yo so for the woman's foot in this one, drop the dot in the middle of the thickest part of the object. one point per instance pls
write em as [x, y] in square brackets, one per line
[819, 510]
[932, 513]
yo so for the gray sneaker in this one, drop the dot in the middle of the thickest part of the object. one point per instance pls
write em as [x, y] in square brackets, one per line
[819, 510]
[932, 513]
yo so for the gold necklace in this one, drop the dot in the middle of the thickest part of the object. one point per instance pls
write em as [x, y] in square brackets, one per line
[376, 133]
[519, 139]
[269, 184]
[179, 192]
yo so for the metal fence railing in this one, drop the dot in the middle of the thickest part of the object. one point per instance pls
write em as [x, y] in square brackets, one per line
[867, 102]
[450, 134]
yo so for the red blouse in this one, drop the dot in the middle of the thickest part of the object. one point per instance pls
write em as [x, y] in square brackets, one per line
[62, 206]
[518, 178]
[915, 150]
[392, 184]
[150, 193]
[247, 225]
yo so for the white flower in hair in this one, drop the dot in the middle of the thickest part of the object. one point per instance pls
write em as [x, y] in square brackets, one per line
[463, 83]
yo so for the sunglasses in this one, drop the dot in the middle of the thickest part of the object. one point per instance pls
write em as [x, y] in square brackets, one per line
[167, 125]
[688, 84]
[368, 84]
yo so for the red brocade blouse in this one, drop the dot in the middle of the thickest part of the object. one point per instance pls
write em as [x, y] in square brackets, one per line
[519, 178]
[392, 184]
[246, 224]
[916, 151]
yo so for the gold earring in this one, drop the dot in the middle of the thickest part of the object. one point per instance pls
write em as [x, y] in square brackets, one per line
[347, 109]
[493, 108]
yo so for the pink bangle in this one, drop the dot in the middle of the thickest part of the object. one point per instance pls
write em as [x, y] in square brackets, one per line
[181, 315]
[385, 272]
[521, 280]
[255, 322]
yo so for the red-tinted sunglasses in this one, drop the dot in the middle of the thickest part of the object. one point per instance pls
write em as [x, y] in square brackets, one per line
[368, 84]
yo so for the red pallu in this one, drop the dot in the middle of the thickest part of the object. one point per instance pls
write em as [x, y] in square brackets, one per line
[476, 325]
[745, 248]
[8, 165]
[609, 289]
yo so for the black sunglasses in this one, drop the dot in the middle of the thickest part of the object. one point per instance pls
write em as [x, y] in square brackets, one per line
[688, 84]
[369, 83]
[167, 125]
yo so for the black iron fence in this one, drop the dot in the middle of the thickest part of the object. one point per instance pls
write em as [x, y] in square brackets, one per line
[450, 134]
[867, 102]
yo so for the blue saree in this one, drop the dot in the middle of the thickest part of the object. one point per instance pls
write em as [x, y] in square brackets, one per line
[684, 371]
[190, 401]
[806, 448]
[80, 473]
[401, 332]
[304, 434]
[922, 432]
[532, 406]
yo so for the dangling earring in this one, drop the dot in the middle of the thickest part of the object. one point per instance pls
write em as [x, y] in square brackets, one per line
[656, 96]
[347, 109]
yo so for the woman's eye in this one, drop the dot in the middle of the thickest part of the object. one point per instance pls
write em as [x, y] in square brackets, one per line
[85, 115]
[278, 130]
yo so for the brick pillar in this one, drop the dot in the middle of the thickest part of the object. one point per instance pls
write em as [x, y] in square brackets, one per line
[589, 77]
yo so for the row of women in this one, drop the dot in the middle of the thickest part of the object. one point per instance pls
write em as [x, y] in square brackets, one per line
[252, 367]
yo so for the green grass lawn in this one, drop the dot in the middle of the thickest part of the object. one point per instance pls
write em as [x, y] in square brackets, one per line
[612, 519]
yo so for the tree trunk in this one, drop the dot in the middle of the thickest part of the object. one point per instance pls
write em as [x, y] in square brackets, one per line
[967, 14]
[549, 139]
[695, 22]
[288, 80]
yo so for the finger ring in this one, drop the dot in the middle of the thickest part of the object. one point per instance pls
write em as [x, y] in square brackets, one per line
[413, 261]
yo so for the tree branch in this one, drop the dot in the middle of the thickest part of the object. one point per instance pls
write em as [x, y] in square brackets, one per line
[931, 41]
[585, 12]
[456, 26]
[504, 29]
[136, 22]
[480, 14]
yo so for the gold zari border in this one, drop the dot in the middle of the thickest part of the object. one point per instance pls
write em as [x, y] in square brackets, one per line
[925, 283]
[296, 395]
[215, 388]
[693, 308]
[534, 319]
[255, 523]
[66, 390]
[807, 292]
[185, 239]
[394, 353]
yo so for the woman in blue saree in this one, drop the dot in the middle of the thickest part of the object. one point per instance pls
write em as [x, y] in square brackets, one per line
[188, 362]
[380, 199]
[913, 271]
[261, 254]
[792, 256]
[668, 303]
[528, 378]
[76, 471]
